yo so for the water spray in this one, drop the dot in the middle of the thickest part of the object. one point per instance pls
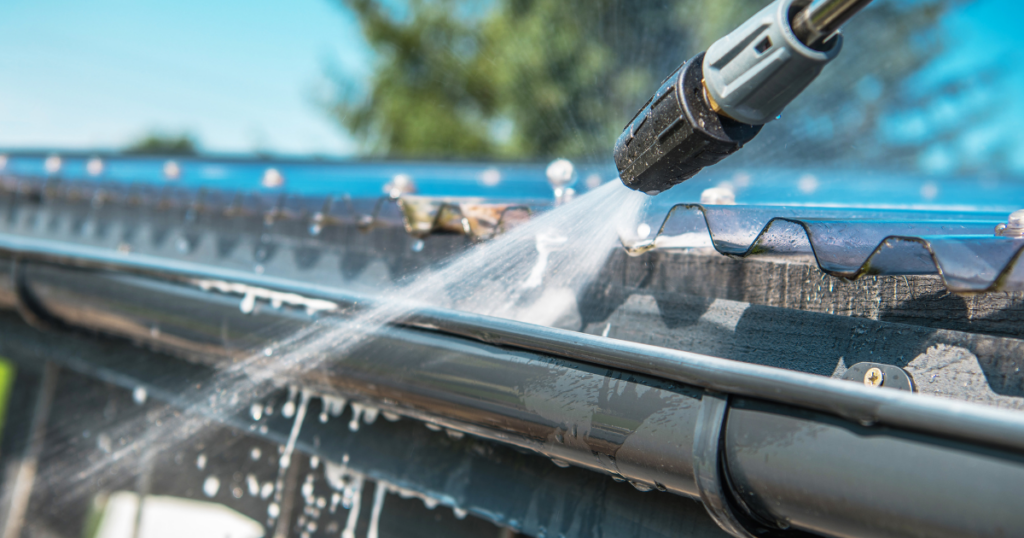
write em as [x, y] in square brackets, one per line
[718, 101]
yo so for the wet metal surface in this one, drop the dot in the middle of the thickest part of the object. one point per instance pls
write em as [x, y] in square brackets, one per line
[850, 224]
[211, 271]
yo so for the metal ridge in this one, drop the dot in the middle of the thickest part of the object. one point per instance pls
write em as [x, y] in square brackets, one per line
[919, 413]
[958, 245]
[476, 217]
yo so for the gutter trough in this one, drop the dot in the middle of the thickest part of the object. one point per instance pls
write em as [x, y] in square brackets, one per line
[769, 452]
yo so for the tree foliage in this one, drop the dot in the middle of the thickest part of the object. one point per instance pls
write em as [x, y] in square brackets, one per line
[526, 79]
[156, 143]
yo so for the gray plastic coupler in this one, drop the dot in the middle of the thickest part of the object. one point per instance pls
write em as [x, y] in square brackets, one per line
[751, 74]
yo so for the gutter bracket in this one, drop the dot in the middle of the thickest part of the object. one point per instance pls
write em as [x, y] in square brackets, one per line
[712, 478]
[707, 468]
[876, 375]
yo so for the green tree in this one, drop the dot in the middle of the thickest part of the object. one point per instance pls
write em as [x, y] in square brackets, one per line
[156, 143]
[527, 79]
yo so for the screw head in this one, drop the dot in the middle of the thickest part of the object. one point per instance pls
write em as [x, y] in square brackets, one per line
[1014, 225]
[561, 173]
[873, 377]
[1016, 219]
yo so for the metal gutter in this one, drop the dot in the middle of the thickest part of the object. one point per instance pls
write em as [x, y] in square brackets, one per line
[791, 447]
[927, 415]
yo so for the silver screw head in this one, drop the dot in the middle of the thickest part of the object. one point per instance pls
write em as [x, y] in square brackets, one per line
[1016, 219]
[400, 185]
[561, 173]
[1014, 226]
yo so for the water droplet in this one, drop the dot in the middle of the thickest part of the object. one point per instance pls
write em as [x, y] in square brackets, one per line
[236, 492]
[460, 513]
[335, 499]
[640, 486]
[779, 117]
[255, 454]
[288, 411]
[391, 417]
[560, 463]
[267, 490]
[201, 462]
[357, 410]
[139, 395]
[211, 486]
[417, 245]
[183, 245]
[253, 484]
[273, 510]
[307, 490]
[433, 427]
[268, 351]
[314, 462]
[104, 443]
[455, 434]
[248, 303]
[643, 230]
[256, 410]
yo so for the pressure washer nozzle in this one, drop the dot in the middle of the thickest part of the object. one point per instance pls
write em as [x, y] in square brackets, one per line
[718, 101]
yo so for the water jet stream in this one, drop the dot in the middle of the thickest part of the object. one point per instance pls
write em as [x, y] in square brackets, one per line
[534, 273]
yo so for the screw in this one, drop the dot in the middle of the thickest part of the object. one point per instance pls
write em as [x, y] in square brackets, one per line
[400, 184]
[172, 170]
[1014, 226]
[52, 164]
[873, 378]
[561, 175]
[272, 178]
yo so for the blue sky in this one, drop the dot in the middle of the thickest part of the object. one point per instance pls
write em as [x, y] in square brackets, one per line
[239, 74]
[988, 33]
[244, 75]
